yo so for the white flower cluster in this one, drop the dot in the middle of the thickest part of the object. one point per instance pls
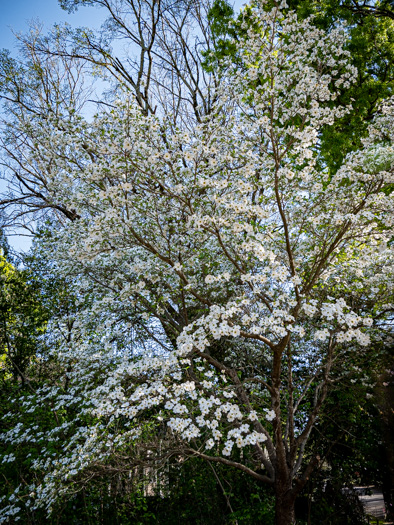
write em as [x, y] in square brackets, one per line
[203, 249]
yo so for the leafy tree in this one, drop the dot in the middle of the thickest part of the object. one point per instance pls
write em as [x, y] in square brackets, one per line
[369, 27]
[370, 32]
[22, 318]
[246, 276]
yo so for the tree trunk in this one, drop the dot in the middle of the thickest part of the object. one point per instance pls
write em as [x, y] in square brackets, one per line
[385, 404]
[284, 505]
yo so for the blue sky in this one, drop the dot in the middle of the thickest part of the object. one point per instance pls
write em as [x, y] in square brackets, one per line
[15, 15]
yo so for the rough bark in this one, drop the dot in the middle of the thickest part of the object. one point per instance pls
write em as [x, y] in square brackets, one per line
[284, 503]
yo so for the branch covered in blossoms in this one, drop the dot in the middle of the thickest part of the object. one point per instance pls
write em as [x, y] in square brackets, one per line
[253, 272]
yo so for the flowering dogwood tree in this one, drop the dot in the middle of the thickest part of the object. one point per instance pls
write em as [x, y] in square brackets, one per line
[254, 273]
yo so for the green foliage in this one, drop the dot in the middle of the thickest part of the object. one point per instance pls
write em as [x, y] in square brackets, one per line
[371, 47]
[352, 443]
[220, 15]
[22, 320]
[201, 495]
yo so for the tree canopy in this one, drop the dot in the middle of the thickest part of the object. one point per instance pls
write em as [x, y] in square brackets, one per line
[218, 231]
